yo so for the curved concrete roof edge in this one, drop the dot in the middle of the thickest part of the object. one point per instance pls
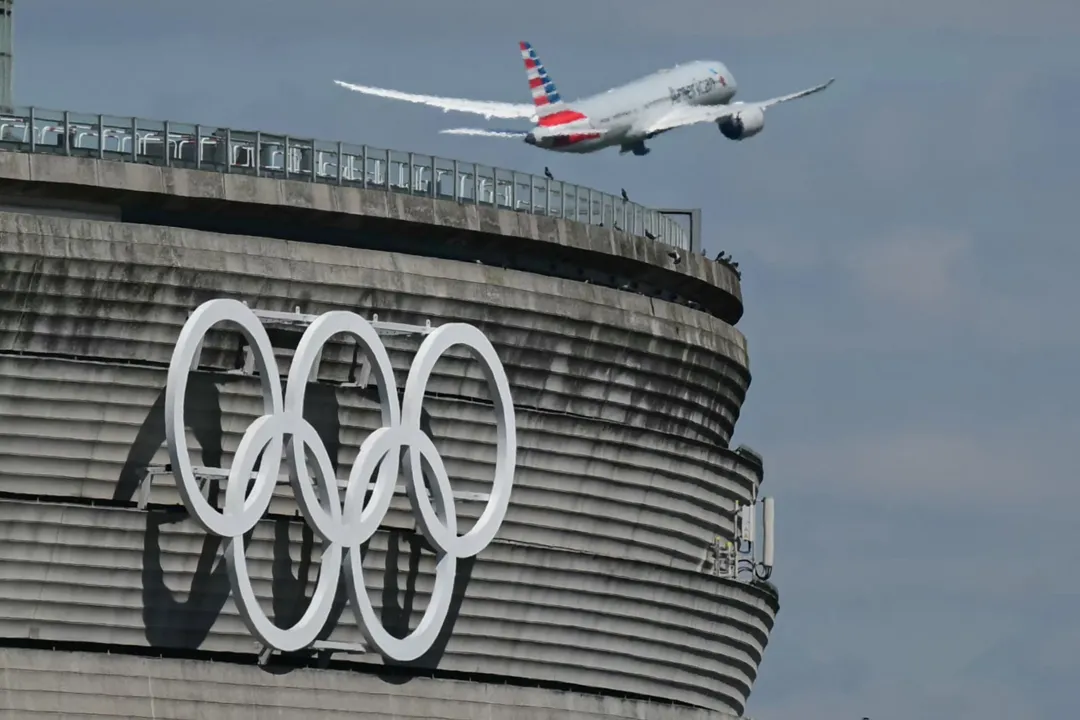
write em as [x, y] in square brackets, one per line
[212, 185]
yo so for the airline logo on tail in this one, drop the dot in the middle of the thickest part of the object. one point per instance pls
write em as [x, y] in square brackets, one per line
[543, 87]
[551, 112]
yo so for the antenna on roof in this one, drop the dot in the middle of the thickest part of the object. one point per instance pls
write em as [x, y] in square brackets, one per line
[768, 539]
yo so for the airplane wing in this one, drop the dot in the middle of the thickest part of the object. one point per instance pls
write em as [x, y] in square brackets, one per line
[487, 108]
[547, 132]
[684, 115]
[486, 133]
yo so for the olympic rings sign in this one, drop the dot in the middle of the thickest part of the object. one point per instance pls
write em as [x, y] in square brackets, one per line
[342, 528]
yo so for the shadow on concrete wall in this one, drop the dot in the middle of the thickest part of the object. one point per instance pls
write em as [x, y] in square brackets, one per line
[186, 624]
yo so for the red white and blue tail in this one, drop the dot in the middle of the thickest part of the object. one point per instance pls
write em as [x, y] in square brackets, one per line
[545, 97]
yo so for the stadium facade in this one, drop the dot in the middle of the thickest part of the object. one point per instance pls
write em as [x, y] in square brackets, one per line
[605, 592]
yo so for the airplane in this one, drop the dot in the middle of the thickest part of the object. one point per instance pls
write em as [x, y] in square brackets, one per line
[625, 116]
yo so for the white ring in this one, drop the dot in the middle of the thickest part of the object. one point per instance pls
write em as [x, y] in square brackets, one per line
[184, 356]
[433, 347]
[342, 529]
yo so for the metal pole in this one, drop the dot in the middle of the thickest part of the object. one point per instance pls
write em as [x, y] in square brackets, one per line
[165, 145]
[7, 55]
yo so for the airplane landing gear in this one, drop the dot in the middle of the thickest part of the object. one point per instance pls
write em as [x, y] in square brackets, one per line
[637, 148]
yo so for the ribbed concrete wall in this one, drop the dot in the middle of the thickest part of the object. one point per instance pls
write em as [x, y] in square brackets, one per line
[52, 685]
[624, 406]
[120, 576]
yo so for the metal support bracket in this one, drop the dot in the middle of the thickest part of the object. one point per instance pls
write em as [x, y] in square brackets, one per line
[324, 646]
[297, 321]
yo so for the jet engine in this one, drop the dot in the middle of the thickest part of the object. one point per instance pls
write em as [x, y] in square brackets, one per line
[743, 124]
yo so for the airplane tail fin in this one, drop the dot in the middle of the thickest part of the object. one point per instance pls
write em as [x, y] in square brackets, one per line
[544, 95]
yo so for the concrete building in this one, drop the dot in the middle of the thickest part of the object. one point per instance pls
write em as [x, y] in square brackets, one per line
[601, 596]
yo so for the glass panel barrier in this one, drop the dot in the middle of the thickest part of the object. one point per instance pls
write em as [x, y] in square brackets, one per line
[213, 149]
[301, 159]
[270, 155]
[608, 210]
[486, 179]
[566, 200]
[466, 182]
[240, 150]
[48, 131]
[351, 165]
[15, 129]
[397, 170]
[572, 202]
[422, 180]
[377, 171]
[182, 145]
[555, 198]
[445, 185]
[325, 158]
[83, 132]
[523, 195]
[596, 207]
[504, 188]
[538, 192]
[150, 141]
[304, 159]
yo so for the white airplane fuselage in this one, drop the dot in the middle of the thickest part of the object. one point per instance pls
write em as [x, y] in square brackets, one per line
[625, 116]
[624, 111]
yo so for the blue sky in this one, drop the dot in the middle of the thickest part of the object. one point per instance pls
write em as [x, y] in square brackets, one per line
[909, 248]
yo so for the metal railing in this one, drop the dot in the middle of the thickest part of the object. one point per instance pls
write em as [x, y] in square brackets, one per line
[204, 147]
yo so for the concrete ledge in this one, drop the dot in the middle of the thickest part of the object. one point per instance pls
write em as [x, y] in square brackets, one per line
[115, 686]
[123, 177]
